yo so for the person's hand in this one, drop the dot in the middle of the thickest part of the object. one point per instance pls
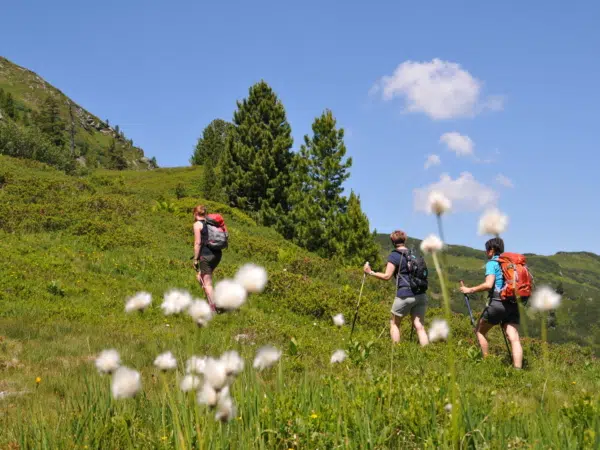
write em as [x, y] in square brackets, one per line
[464, 289]
[367, 268]
[196, 263]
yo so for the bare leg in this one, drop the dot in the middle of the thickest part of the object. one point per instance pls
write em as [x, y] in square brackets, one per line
[482, 329]
[395, 328]
[512, 332]
[421, 333]
[206, 282]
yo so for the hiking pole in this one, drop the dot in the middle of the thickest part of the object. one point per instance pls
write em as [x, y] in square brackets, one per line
[358, 305]
[470, 311]
[505, 339]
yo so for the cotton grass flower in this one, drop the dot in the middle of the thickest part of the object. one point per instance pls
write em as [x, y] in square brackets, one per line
[165, 361]
[229, 295]
[215, 373]
[200, 312]
[338, 320]
[176, 301]
[338, 356]
[190, 383]
[438, 203]
[252, 277]
[545, 299]
[439, 330]
[225, 409]
[207, 395]
[196, 364]
[138, 302]
[493, 222]
[108, 361]
[431, 244]
[266, 357]
[234, 364]
[126, 383]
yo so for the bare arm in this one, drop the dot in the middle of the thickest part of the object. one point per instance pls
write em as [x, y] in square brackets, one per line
[388, 274]
[197, 240]
[487, 285]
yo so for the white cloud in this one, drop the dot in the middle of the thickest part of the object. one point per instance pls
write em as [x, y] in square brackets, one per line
[432, 160]
[465, 193]
[460, 144]
[504, 181]
[440, 89]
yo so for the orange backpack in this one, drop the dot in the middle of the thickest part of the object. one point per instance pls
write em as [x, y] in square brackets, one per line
[517, 278]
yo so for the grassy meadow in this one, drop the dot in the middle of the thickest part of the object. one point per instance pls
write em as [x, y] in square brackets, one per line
[74, 248]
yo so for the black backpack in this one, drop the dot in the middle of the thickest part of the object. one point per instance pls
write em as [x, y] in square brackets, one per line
[417, 272]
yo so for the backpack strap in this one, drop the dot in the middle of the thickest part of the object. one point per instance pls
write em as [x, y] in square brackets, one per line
[398, 274]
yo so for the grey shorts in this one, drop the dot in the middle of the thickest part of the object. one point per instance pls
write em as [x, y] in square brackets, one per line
[415, 306]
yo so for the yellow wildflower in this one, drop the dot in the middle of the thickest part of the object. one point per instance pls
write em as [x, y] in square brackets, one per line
[38, 380]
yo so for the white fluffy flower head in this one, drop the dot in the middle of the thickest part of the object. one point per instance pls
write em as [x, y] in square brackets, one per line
[338, 356]
[234, 364]
[190, 383]
[439, 330]
[225, 409]
[165, 361]
[431, 244]
[493, 222]
[266, 357]
[176, 301]
[108, 361]
[207, 395]
[252, 277]
[229, 294]
[138, 302]
[215, 373]
[545, 299]
[438, 203]
[125, 383]
[200, 312]
[196, 364]
[338, 320]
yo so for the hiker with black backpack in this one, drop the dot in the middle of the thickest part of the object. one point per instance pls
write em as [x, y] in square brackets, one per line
[507, 281]
[411, 285]
[210, 237]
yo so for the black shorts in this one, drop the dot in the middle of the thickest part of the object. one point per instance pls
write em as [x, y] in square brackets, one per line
[501, 312]
[209, 262]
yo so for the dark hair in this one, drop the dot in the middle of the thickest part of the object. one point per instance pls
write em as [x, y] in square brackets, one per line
[496, 244]
[398, 237]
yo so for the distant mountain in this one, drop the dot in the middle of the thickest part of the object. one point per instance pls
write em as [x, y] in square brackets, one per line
[84, 139]
[577, 274]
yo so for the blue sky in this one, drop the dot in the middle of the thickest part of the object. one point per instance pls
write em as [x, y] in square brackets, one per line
[519, 79]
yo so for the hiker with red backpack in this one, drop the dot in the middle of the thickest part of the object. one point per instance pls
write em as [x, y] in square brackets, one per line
[210, 237]
[507, 280]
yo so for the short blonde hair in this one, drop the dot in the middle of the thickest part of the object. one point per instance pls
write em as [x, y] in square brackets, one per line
[398, 237]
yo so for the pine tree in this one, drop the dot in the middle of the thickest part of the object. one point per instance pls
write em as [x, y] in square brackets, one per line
[211, 187]
[51, 123]
[352, 238]
[9, 107]
[212, 143]
[116, 156]
[255, 167]
[316, 197]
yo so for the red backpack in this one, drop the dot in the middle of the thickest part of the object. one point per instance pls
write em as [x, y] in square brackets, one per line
[518, 281]
[218, 236]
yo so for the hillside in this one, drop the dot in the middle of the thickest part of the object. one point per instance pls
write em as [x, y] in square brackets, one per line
[578, 274]
[75, 247]
[88, 138]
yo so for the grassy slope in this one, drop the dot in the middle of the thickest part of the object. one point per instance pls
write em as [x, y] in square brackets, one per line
[578, 272]
[30, 90]
[74, 248]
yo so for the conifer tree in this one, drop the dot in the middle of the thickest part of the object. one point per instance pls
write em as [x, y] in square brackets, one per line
[211, 187]
[256, 165]
[352, 238]
[51, 123]
[212, 142]
[116, 156]
[316, 197]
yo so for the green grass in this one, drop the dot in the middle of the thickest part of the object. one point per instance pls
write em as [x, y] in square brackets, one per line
[74, 248]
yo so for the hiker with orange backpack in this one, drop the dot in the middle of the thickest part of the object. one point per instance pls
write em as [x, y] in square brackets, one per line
[210, 237]
[507, 280]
